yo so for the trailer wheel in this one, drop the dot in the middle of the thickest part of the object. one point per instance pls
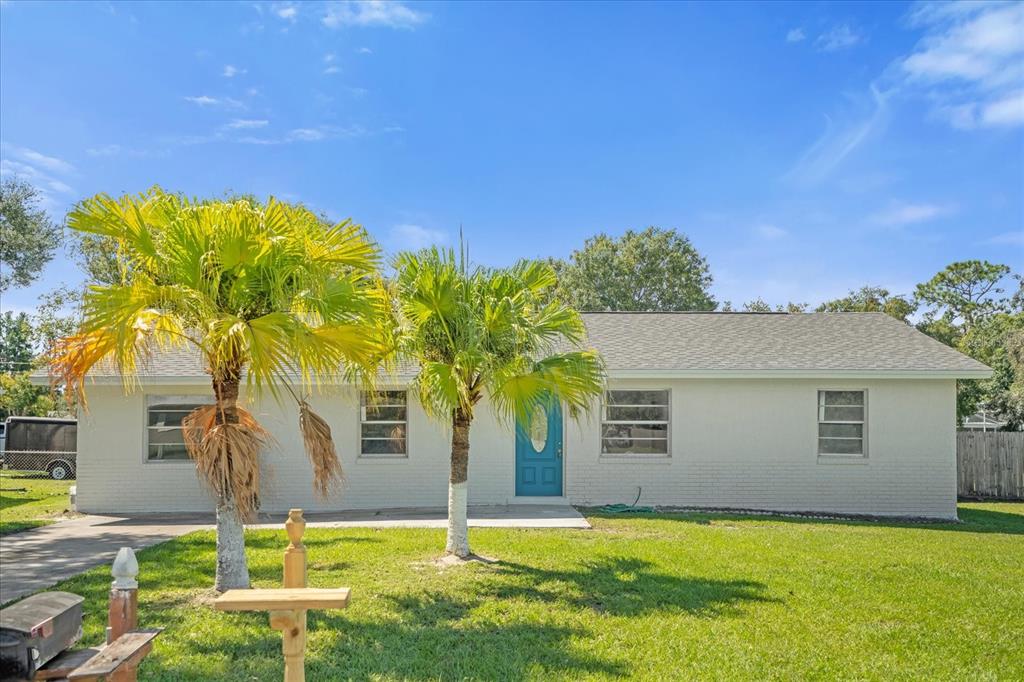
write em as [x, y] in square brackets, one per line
[60, 470]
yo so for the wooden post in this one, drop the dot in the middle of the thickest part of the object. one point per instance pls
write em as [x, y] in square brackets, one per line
[292, 624]
[295, 554]
[123, 612]
[288, 605]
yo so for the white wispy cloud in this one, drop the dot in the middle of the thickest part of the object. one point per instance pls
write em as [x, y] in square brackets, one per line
[332, 69]
[840, 140]
[329, 59]
[393, 14]
[231, 71]
[904, 213]
[104, 150]
[411, 237]
[286, 11]
[316, 134]
[838, 38]
[39, 160]
[795, 35]
[1006, 111]
[364, 50]
[1006, 238]
[207, 101]
[40, 170]
[306, 135]
[247, 123]
[202, 100]
[770, 232]
[970, 61]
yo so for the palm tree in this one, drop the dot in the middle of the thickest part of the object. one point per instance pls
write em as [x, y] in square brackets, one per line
[488, 332]
[268, 294]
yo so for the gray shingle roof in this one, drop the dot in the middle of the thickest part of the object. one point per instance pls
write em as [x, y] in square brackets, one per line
[710, 342]
[758, 341]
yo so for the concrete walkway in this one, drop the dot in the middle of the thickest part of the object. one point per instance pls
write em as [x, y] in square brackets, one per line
[38, 558]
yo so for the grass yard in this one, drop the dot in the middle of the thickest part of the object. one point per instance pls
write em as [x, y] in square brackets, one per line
[649, 597]
[30, 500]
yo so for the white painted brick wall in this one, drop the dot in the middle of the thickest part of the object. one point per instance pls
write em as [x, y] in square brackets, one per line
[735, 443]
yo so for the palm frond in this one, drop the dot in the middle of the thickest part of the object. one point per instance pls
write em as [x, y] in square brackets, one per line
[573, 378]
[319, 444]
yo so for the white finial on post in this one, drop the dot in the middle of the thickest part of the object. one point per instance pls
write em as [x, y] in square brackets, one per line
[125, 570]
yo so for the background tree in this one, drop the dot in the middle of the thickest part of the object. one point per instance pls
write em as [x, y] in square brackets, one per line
[15, 343]
[58, 314]
[97, 257]
[965, 290]
[27, 236]
[759, 305]
[20, 397]
[264, 293]
[651, 270]
[491, 333]
[967, 312]
[870, 299]
[998, 341]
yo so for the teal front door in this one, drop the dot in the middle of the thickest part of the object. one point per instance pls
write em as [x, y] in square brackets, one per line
[539, 453]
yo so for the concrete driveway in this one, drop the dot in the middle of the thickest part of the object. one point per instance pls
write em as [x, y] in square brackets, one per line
[38, 558]
[35, 559]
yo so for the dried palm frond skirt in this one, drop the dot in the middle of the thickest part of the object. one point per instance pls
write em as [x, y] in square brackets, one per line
[227, 455]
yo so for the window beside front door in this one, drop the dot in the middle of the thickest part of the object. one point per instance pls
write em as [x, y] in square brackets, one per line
[842, 421]
[635, 422]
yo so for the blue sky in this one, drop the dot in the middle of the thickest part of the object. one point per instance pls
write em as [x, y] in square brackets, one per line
[805, 148]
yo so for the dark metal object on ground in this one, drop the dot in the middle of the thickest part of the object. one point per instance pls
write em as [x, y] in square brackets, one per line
[37, 629]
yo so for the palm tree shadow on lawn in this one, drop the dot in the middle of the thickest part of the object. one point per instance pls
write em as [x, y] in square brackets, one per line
[971, 520]
[437, 635]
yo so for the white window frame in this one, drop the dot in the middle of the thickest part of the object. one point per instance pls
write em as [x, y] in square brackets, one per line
[363, 420]
[156, 399]
[818, 406]
[636, 455]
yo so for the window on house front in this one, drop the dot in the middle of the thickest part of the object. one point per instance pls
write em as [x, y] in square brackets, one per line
[164, 439]
[635, 422]
[383, 424]
[842, 417]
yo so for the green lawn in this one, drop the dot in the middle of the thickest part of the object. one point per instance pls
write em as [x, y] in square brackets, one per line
[651, 597]
[30, 500]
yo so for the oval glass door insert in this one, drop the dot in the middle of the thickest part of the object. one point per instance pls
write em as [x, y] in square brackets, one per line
[539, 428]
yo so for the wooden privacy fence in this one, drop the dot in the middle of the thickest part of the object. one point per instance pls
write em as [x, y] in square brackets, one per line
[990, 464]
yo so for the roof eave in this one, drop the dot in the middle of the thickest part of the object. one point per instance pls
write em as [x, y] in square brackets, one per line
[634, 374]
[799, 373]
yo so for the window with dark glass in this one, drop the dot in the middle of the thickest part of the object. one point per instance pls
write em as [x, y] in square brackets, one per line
[841, 421]
[164, 438]
[635, 422]
[383, 423]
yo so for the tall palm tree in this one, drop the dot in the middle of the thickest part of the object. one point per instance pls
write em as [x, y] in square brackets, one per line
[488, 332]
[267, 294]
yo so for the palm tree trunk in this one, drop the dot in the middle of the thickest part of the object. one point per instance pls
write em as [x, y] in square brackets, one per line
[232, 567]
[458, 525]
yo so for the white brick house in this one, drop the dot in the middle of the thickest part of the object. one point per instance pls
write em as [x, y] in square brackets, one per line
[828, 412]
